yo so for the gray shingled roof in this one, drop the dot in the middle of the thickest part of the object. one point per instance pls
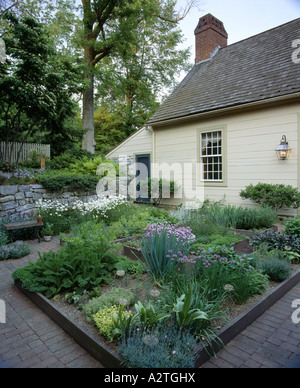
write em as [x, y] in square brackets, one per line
[252, 70]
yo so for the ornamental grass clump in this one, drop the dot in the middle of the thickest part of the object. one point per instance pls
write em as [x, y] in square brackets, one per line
[164, 247]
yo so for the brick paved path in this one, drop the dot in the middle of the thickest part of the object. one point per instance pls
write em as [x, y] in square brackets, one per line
[30, 339]
[272, 341]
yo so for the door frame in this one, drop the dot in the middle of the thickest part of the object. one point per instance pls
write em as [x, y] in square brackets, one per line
[136, 156]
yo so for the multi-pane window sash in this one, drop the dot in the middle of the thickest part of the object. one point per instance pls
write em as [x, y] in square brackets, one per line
[212, 156]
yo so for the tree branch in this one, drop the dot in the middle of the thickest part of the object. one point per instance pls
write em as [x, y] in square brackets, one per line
[182, 13]
[9, 8]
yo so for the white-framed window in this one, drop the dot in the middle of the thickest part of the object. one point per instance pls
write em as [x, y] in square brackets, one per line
[211, 156]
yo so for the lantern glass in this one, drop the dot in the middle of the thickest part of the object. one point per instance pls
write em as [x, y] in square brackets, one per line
[283, 151]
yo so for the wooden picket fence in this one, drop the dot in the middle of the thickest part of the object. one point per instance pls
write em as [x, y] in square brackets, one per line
[18, 152]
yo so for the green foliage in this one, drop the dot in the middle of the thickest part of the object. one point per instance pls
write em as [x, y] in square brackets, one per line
[157, 189]
[56, 181]
[48, 230]
[147, 316]
[129, 267]
[219, 267]
[108, 299]
[104, 322]
[213, 241]
[188, 317]
[129, 226]
[66, 159]
[14, 251]
[146, 63]
[292, 226]
[277, 270]
[34, 160]
[82, 264]
[155, 250]
[273, 263]
[241, 217]
[165, 348]
[275, 240]
[136, 219]
[36, 86]
[276, 196]
[3, 237]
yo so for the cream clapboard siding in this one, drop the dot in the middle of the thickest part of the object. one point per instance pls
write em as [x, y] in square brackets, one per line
[251, 141]
[138, 143]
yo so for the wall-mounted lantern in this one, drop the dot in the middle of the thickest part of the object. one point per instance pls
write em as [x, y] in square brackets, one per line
[283, 151]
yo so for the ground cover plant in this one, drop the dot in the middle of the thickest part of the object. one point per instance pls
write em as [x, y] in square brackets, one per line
[15, 250]
[182, 289]
[20, 176]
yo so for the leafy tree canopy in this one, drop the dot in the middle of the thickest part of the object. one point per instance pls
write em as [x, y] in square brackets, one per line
[36, 85]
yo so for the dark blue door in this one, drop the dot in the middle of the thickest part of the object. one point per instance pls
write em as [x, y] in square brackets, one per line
[142, 174]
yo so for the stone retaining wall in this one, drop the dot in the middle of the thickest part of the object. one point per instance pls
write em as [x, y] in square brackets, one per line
[24, 197]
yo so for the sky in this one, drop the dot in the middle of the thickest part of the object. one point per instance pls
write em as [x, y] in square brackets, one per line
[242, 18]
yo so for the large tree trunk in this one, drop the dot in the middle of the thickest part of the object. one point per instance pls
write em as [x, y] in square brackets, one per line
[88, 142]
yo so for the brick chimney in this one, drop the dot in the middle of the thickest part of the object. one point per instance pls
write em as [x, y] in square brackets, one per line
[210, 33]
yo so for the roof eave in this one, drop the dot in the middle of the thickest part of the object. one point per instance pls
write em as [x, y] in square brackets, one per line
[226, 110]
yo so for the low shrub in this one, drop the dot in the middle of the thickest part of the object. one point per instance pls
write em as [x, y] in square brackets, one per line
[69, 157]
[277, 270]
[56, 181]
[14, 251]
[80, 162]
[276, 196]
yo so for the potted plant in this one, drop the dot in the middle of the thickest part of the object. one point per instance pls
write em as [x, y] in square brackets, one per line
[39, 218]
[47, 232]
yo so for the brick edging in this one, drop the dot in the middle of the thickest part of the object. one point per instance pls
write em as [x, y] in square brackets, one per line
[110, 359]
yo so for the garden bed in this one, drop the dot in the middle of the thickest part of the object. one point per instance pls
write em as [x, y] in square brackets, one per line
[72, 322]
[192, 282]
